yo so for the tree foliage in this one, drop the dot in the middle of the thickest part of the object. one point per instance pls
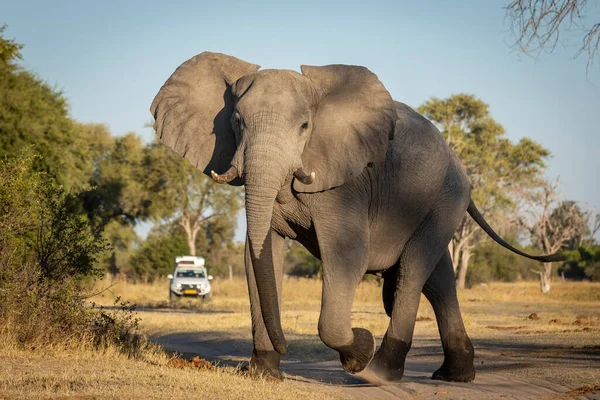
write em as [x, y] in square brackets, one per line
[44, 224]
[117, 189]
[491, 262]
[583, 263]
[9, 50]
[551, 223]
[300, 263]
[33, 114]
[155, 258]
[203, 209]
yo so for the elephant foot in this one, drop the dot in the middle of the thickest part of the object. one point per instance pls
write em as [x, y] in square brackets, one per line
[388, 363]
[265, 364]
[457, 366]
[454, 375]
[356, 356]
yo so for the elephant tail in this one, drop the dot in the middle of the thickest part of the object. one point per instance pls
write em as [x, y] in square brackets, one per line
[476, 215]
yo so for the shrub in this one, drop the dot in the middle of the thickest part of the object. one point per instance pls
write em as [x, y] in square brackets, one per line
[48, 250]
[491, 262]
[583, 263]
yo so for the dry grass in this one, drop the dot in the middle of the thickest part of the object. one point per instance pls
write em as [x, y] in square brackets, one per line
[64, 371]
[493, 311]
[108, 375]
[300, 292]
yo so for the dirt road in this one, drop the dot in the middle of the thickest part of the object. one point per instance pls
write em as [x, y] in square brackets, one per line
[505, 369]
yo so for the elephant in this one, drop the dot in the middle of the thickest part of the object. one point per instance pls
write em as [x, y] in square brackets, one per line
[364, 182]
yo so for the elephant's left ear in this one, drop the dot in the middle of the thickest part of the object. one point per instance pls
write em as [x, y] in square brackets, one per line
[354, 120]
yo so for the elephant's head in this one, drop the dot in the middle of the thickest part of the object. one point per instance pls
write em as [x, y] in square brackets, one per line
[264, 128]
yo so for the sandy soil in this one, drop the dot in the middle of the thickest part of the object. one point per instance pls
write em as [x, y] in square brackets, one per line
[508, 366]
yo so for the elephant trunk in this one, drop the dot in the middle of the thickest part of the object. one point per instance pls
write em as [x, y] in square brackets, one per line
[259, 211]
[265, 169]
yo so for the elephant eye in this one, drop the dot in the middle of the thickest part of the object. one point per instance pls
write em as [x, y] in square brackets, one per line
[304, 126]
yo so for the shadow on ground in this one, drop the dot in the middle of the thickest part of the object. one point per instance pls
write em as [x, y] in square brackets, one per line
[505, 369]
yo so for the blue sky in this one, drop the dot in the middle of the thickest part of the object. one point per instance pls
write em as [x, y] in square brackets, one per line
[111, 57]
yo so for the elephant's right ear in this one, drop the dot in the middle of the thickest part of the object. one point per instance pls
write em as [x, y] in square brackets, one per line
[193, 108]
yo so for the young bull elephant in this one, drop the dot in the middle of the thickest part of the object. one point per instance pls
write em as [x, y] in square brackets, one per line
[365, 183]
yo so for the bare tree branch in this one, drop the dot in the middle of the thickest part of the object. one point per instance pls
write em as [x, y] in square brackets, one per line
[537, 25]
[552, 224]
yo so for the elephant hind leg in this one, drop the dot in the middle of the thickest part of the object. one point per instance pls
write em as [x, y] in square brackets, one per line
[440, 290]
[418, 260]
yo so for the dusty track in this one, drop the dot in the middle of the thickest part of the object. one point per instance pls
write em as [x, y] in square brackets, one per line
[528, 372]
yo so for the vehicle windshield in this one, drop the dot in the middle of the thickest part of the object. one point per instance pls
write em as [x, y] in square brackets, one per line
[190, 273]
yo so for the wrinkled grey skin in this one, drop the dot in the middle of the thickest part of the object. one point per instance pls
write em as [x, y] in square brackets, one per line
[387, 196]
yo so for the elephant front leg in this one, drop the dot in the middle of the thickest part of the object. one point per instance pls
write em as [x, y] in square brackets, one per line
[265, 360]
[344, 264]
[355, 345]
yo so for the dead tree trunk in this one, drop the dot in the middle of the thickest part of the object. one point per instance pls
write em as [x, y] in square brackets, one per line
[545, 275]
[462, 270]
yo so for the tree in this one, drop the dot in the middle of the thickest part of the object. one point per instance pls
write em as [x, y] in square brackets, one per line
[72, 155]
[491, 262]
[537, 25]
[299, 262]
[191, 200]
[493, 164]
[118, 197]
[118, 190]
[122, 237]
[155, 258]
[590, 240]
[9, 50]
[215, 241]
[552, 225]
[33, 114]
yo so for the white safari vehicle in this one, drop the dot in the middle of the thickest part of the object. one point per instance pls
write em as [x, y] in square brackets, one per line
[190, 278]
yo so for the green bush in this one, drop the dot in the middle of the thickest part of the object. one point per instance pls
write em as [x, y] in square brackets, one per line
[491, 262]
[48, 250]
[583, 263]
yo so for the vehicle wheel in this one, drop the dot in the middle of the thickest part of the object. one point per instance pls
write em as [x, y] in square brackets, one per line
[206, 297]
[172, 297]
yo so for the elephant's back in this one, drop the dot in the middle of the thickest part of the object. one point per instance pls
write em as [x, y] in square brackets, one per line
[418, 147]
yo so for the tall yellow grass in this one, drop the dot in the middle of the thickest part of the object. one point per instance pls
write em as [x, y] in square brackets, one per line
[484, 305]
[302, 293]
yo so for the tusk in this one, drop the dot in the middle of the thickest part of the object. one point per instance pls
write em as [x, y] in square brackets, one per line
[302, 177]
[227, 177]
